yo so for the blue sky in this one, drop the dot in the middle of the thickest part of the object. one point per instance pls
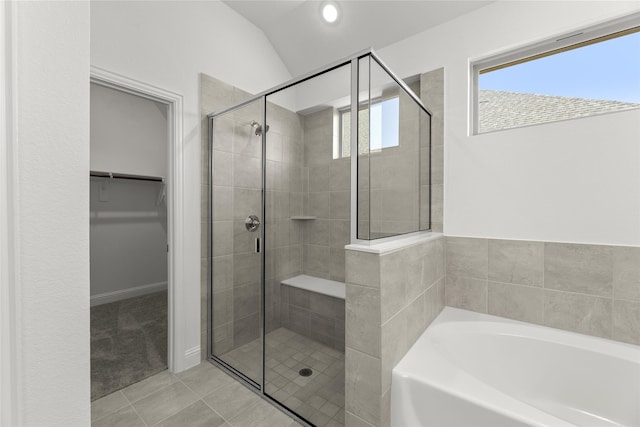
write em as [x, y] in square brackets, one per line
[606, 70]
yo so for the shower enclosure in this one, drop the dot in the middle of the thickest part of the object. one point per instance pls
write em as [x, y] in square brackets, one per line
[338, 156]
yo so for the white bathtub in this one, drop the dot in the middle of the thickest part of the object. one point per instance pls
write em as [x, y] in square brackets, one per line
[474, 370]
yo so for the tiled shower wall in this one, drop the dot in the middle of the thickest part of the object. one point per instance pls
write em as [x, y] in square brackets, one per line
[313, 315]
[237, 193]
[590, 289]
[284, 181]
[326, 195]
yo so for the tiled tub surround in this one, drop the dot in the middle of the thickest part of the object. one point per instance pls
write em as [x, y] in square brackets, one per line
[392, 296]
[590, 289]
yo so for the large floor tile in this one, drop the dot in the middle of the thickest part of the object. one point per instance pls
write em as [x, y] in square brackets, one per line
[261, 414]
[230, 401]
[205, 378]
[196, 415]
[108, 405]
[165, 402]
[150, 385]
[125, 417]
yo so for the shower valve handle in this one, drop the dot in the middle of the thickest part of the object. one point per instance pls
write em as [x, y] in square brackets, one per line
[252, 223]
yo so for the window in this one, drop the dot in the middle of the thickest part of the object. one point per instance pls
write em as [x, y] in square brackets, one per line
[384, 129]
[579, 75]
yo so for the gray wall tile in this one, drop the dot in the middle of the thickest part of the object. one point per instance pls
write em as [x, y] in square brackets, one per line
[363, 319]
[322, 325]
[467, 257]
[516, 302]
[586, 269]
[516, 261]
[222, 168]
[626, 273]
[321, 304]
[394, 345]
[246, 300]
[416, 319]
[362, 386]
[222, 272]
[626, 321]
[246, 329]
[433, 301]
[222, 238]
[363, 269]
[466, 293]
[578, 313]
[393, 284]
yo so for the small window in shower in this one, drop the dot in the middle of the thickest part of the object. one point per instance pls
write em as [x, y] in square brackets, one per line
[585, 73]
[383, 131]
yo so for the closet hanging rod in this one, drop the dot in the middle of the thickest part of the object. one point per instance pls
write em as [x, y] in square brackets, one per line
[115, 175]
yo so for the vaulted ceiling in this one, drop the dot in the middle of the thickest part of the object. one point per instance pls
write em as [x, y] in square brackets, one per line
[305, 42]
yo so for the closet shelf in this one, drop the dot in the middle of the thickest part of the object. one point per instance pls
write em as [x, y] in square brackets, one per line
[116, 175]
[303, 217]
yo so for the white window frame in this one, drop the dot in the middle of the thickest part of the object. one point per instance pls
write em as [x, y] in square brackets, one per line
[545, 47]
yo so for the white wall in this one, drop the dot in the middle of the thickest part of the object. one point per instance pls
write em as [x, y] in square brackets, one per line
[167, 44]
[128, 233]
[129, 133]
[572, 181]
[128, 227]
[52, 212]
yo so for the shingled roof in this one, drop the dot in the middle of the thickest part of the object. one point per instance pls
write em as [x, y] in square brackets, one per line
[503, 110]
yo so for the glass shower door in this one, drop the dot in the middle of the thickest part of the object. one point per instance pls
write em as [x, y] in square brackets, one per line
[236, 224]
[307, 214]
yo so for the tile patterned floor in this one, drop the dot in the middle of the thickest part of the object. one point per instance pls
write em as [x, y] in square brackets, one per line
[319, 398]
[206, 396]
[200, 396]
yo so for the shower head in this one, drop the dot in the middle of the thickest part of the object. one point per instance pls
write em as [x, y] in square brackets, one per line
[258, 127]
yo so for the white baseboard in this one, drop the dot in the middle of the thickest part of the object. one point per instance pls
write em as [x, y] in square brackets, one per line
[192, 357]
[127, 293]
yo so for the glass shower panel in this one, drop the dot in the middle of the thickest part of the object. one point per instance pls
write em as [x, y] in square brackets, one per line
[236, 193]
[307, 215]
[393, 162]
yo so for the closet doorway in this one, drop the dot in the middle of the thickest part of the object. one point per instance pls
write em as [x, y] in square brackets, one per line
[130, 233]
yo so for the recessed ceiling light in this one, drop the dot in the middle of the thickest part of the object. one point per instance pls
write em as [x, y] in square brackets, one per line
[330, 12]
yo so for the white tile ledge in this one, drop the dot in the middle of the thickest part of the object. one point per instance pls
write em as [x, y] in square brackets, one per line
[394, 244]
[317, 285]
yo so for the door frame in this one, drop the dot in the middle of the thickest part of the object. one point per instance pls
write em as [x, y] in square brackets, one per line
[10, 294]
[177, 316]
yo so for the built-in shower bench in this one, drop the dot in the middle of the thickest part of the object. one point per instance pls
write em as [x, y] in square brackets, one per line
[317, 285]
[314, 307]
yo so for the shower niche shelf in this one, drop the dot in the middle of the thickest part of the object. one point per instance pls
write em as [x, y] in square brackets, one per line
[303, 217]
